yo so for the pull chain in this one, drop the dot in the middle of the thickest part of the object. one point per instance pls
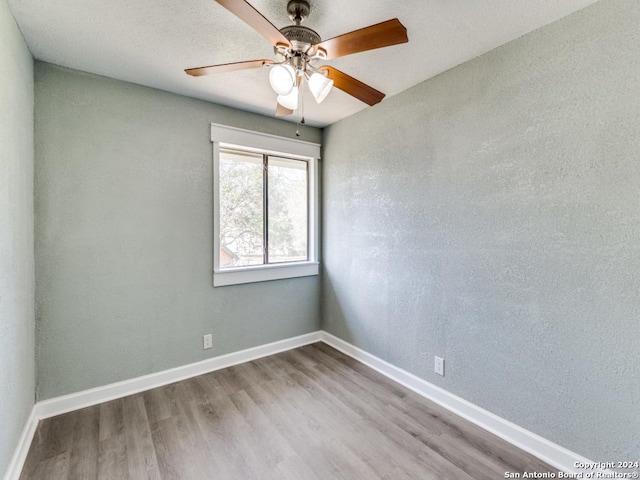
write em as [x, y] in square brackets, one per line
[300, 109]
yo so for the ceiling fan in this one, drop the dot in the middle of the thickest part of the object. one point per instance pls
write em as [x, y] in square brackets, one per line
[299, 49]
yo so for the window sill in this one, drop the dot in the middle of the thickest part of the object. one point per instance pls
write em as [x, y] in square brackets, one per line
[264, 273]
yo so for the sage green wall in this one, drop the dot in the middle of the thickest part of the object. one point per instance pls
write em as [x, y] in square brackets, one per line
[123, 215]
[491, 216]
[17, 364]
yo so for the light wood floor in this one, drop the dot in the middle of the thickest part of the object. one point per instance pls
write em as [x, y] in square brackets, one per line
[307, 414]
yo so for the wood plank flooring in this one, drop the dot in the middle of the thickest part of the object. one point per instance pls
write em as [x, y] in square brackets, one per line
[307, 414]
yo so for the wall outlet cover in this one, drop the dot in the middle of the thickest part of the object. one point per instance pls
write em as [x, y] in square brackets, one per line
[438, 366]
[208, 341]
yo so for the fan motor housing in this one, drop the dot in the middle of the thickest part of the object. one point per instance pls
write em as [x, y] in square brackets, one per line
[301, 38]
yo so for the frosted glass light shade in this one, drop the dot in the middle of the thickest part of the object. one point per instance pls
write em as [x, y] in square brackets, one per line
[289, 101]
[320, 86]
[282, 79]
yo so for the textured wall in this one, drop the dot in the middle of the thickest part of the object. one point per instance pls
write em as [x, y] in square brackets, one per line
[124, 236]
[17, 369]
[491, 216]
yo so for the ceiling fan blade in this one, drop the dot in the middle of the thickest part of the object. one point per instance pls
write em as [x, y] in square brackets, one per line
[384, 34]
[352, 86]
[227, 67]
[245, 12]
[282, 111]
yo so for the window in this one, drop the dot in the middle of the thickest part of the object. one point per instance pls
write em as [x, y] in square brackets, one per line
[265, 207]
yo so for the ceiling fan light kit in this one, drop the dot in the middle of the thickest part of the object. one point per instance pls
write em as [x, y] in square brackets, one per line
[290, 101]
[282, 79]
[300, 48]
[320, 86]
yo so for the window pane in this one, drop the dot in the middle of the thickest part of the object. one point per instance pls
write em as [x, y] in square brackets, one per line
[287, 210]
[241, 209]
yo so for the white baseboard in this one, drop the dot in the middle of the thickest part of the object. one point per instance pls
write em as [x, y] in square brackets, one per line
[549, 452]
[86, 398]
[24, 443]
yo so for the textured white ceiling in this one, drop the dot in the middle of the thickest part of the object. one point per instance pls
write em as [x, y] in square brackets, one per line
[151, 42]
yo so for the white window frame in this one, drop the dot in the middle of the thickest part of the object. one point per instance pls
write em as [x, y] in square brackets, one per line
[263, 143]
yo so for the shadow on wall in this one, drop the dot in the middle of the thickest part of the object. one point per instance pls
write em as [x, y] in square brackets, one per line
[333, 316]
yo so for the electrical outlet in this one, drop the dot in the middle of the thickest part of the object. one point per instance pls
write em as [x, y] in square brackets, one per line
[438, 366]
[208, 341]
